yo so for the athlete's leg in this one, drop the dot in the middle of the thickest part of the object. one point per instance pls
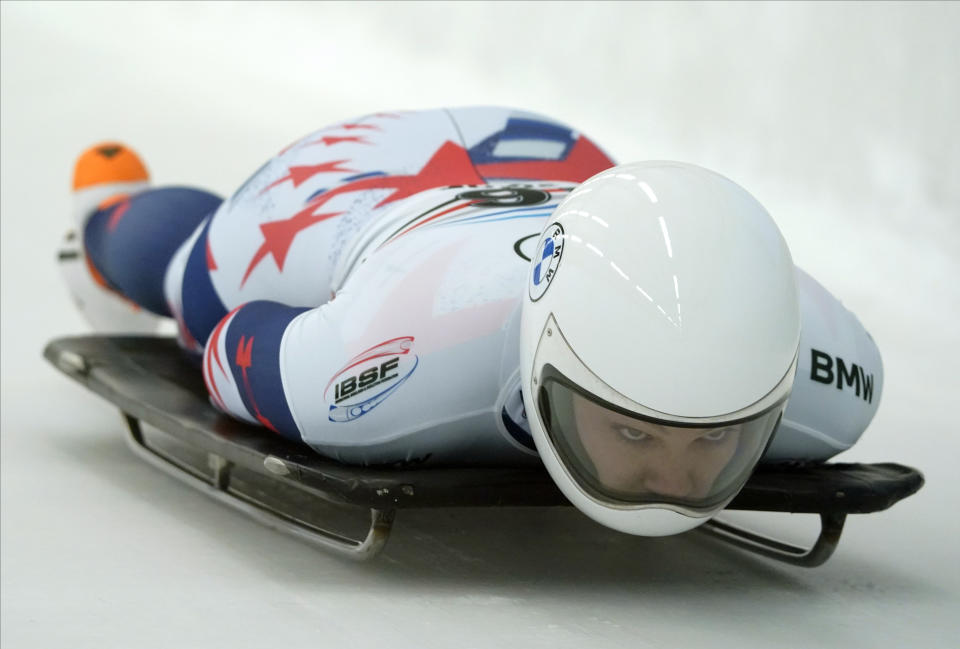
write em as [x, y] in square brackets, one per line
[241, 365]
[131, 242]
[131, 233]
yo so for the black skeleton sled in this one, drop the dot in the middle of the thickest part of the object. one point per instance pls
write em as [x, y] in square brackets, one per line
[284, 485]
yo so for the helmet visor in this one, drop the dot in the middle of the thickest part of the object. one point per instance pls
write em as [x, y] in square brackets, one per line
[621, 457]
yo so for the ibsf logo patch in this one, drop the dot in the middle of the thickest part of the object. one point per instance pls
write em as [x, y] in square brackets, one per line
[546, 261]
[369, 378]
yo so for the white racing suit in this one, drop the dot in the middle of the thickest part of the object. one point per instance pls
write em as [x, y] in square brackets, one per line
[393, 253]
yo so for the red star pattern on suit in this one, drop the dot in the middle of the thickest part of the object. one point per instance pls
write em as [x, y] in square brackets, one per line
[244, 361]
[330, 140]
[278, 236]
[450, 165]
[300, 174]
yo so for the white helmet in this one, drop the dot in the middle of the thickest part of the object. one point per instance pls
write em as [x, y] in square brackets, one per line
[658, 346]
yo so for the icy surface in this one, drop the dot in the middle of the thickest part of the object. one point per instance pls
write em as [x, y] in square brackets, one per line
[841, 119]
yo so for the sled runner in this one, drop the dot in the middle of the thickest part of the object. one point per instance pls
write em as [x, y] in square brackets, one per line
[285, 485]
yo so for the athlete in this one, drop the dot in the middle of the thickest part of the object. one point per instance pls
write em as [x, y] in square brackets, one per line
[484, 286]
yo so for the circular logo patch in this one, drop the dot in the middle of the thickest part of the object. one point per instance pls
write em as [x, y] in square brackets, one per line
[546, 261]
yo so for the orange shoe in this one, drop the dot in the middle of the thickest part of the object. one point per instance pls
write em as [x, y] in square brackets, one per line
[104, 174]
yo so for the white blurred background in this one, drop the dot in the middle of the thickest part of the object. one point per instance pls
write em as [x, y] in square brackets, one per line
[840, 118]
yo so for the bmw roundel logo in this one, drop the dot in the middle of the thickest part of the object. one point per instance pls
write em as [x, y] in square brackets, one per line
[546, 261]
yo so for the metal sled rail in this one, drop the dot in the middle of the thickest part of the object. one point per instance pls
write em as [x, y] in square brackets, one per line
[285, 485]
[219, 489]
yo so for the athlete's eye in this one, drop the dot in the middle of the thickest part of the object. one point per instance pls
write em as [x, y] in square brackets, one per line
[632, 434]
[718, 434]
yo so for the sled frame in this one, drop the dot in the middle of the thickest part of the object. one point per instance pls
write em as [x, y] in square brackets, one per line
[152, 382]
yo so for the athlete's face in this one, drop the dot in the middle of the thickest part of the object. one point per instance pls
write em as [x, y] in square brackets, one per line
[639, 456]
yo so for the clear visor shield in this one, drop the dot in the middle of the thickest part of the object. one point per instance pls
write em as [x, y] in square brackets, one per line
[622, 458]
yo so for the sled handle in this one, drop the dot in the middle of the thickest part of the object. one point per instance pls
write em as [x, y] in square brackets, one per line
[831, 526]
[218, 488]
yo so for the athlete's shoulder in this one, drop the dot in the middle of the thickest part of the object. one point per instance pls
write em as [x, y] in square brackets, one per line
[509, 143]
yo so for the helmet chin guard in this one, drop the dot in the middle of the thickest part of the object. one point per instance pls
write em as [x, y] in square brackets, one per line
[659, 343]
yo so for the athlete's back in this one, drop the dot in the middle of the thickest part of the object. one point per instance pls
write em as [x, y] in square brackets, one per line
[282, 233]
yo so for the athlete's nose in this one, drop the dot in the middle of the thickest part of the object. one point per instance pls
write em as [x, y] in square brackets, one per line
[671, 480]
